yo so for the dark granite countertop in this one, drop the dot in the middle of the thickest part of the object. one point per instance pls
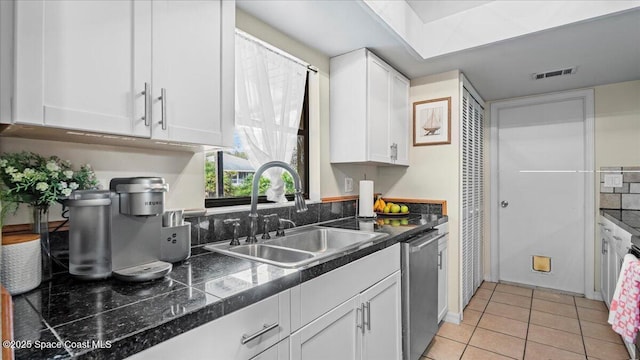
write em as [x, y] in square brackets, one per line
[629, 220]
[68, 318]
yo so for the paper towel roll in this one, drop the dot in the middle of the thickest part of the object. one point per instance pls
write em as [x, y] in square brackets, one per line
[366, 199]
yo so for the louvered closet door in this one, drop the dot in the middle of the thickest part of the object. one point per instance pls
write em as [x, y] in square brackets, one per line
[472, 167]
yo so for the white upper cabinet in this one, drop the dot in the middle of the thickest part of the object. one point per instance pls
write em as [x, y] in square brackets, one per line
[102, 66]
[82, 64]
[369, 109]
[189, 39]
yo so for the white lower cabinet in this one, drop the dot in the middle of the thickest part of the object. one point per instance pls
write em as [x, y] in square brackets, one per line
[280, 351]
[382, 327]
[352, 312]
[222, 339]
[331, 336]
[367, 326]
[443, 299]
[615, 242]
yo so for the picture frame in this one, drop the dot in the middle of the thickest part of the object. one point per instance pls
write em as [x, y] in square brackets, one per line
[432, 122]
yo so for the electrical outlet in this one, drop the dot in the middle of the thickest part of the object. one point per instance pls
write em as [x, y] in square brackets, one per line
[348, 184]
[613, 180]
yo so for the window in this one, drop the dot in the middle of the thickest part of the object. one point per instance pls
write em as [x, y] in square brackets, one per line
[229, 175]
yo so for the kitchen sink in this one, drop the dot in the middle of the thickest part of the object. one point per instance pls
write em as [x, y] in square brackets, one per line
[301, 247]
[271, 253]
[322, 240]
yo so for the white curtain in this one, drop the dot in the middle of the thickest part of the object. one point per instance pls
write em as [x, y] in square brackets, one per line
[269, 96]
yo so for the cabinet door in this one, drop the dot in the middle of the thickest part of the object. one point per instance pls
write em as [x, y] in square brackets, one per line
[604, 266]
[442, 281]
[187, 69]
[335, 335]
[280, 351]
[383, 320]
[399, 120]
[612, 269]
[378, 110]
[83, 64]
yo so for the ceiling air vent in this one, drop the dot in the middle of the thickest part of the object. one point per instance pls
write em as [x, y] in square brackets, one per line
[554, 73]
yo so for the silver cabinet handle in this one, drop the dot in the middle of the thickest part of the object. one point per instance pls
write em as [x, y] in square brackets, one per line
[368, 306]
[607, 229]
[617, 238]
[163, 108]
[360, 325]
[440, 260]
[602, 247]
[504, 203]
[147, 95]
[246, 338]
[601, 224]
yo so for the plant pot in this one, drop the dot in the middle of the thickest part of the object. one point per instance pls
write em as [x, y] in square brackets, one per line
[21, 262]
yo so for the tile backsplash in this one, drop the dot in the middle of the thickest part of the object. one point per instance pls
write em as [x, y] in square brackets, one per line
[625, 197]
[211, 228]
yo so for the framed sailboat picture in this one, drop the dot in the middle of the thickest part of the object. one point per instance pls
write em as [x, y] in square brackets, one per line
[432, 122]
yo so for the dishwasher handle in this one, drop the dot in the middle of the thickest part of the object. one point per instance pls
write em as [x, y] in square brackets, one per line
[425, 242]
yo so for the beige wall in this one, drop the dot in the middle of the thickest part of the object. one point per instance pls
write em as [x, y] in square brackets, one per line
[617, 110]
[184, 172]
[433, 171]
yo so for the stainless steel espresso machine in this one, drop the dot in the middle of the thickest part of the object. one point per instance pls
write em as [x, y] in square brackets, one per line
[119, 232]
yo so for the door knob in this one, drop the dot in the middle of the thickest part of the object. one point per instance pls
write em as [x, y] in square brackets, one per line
[504, 203]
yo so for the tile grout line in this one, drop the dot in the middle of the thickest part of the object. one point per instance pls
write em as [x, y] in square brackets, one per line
[478, 326]
[480, 318]
[584, 345]
[526, 338]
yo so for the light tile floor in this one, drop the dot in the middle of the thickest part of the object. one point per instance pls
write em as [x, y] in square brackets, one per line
[511, 322]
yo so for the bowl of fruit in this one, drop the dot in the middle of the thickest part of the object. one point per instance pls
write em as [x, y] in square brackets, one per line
[384, 208]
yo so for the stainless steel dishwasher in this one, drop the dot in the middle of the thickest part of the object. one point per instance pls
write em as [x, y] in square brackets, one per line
[419, 259]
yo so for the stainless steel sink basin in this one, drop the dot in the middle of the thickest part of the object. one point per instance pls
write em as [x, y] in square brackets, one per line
[301, 247]
[322, 240]
[271, 253]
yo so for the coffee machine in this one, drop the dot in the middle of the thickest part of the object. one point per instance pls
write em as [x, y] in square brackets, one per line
[118, 232]
[137, 205]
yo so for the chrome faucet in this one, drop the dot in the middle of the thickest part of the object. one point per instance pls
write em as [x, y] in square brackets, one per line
[300, 204]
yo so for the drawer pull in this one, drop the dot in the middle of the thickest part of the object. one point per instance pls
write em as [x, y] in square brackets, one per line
[246, 338]
[607, 230]
[617, 238]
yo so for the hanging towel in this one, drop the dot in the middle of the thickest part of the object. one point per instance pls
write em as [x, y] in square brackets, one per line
[624, 315]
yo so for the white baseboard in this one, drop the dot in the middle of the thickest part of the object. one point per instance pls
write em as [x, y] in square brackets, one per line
[454, 318]
[594, 295]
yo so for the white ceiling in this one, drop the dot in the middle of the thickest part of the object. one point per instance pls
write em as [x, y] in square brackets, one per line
[436, 9]
[606, 49]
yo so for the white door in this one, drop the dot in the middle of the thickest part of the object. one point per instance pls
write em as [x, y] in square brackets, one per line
[541, 189]
[187, 62]
[382, 333]
[334, 335]
[83, 64]
[378, 110]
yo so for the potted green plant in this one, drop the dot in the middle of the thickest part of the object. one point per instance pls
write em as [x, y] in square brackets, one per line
[29, 178]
